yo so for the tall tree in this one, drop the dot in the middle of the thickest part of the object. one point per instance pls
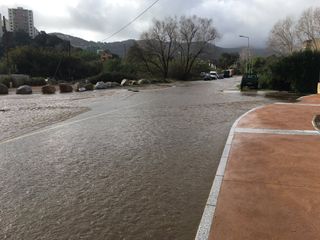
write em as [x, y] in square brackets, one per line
[194, 35]
[308, 27]
[283, 37]
[182, 41]
[228, 59]
[160, 44]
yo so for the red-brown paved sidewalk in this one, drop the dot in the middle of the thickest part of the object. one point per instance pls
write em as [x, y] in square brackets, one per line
[271, 186]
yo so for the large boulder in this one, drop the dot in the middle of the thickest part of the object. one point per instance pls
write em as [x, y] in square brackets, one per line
[3, 89]
[115, 84]
[77, 86]
[65, 88]
[89, 87]
[24, 89]
[48, 89]
[100, 85]
[124, 82]
[133, 82]
[109, 84]
[143, 81]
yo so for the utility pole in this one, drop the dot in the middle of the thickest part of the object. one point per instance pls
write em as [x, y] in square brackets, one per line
[6, 43]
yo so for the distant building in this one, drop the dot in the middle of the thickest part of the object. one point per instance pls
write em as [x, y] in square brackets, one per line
[21, 20]
[311, 44]
[104, 55]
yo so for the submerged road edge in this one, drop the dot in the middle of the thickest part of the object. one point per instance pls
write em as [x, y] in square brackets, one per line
[210, 207]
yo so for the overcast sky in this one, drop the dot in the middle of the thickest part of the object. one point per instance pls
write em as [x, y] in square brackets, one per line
[97, 19]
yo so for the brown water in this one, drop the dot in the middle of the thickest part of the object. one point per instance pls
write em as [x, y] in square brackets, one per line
[137, 166]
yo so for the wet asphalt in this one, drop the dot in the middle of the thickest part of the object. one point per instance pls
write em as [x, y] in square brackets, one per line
[136, 166]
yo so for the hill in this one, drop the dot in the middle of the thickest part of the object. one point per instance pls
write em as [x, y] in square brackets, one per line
[120, 48]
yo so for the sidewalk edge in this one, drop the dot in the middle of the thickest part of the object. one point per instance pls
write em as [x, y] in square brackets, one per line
[209, 210]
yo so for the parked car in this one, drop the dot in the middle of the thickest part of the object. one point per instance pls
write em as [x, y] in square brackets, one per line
[208, 77]
[249, 80]
[214, 75]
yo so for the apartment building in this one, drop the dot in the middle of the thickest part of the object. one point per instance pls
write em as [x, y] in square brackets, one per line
[21, 20]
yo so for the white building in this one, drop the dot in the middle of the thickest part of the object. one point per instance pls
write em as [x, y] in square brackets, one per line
[21, 20]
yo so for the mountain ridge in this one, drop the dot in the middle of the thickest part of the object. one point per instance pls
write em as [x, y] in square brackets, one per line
[121, 47]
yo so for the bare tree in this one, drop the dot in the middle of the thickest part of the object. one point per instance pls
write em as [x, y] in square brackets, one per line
[308, 26]
[283, 37]
[160, 44]
[182, 41]
[194, 35]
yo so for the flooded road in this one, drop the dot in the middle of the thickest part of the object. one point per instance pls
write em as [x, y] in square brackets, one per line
[137, 166]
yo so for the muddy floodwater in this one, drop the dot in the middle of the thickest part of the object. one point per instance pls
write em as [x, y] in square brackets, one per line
[114, 165]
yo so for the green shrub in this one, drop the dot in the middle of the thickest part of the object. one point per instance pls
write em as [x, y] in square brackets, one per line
[36, 81]
[89, 87]
[298, 72]
[18, 81]
[6, 80]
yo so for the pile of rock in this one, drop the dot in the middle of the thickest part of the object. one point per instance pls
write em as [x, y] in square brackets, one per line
[126, 82]
[65, 88]
[48, 89]
[106, 85]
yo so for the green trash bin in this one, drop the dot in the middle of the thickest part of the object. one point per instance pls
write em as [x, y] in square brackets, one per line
[250, 81]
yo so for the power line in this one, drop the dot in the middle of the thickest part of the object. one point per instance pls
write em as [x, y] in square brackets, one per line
[132, 21]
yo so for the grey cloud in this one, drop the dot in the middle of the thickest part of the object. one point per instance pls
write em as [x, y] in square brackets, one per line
[231, 17]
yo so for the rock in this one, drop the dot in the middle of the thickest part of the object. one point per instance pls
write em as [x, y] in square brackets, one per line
[89, 86]
[124, 82]
[133, 83]
[77, 86]
[3, 89]
[100, 85]
[115, 84]
[143, 81]
[109, 84]
[103, 85]
[24, 89]
[82, 89]
[48, 89]
[65, 88]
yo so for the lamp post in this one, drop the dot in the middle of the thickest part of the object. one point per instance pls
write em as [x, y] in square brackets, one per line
[248, 61]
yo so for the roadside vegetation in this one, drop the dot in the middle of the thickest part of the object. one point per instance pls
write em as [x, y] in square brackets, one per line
[295, 63]
[170, 49]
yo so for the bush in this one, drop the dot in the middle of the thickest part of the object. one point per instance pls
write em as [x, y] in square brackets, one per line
[35, 81]
[89, 87]
[48, 62]
[6, 80]
[298, 72]
[18, 81]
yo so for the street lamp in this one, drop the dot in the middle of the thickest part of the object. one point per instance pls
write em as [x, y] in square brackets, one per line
[248, 62]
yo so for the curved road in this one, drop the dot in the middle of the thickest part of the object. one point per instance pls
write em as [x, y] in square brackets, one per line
[137, 166]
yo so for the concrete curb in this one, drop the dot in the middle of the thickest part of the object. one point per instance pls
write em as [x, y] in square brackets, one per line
[208, 213]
